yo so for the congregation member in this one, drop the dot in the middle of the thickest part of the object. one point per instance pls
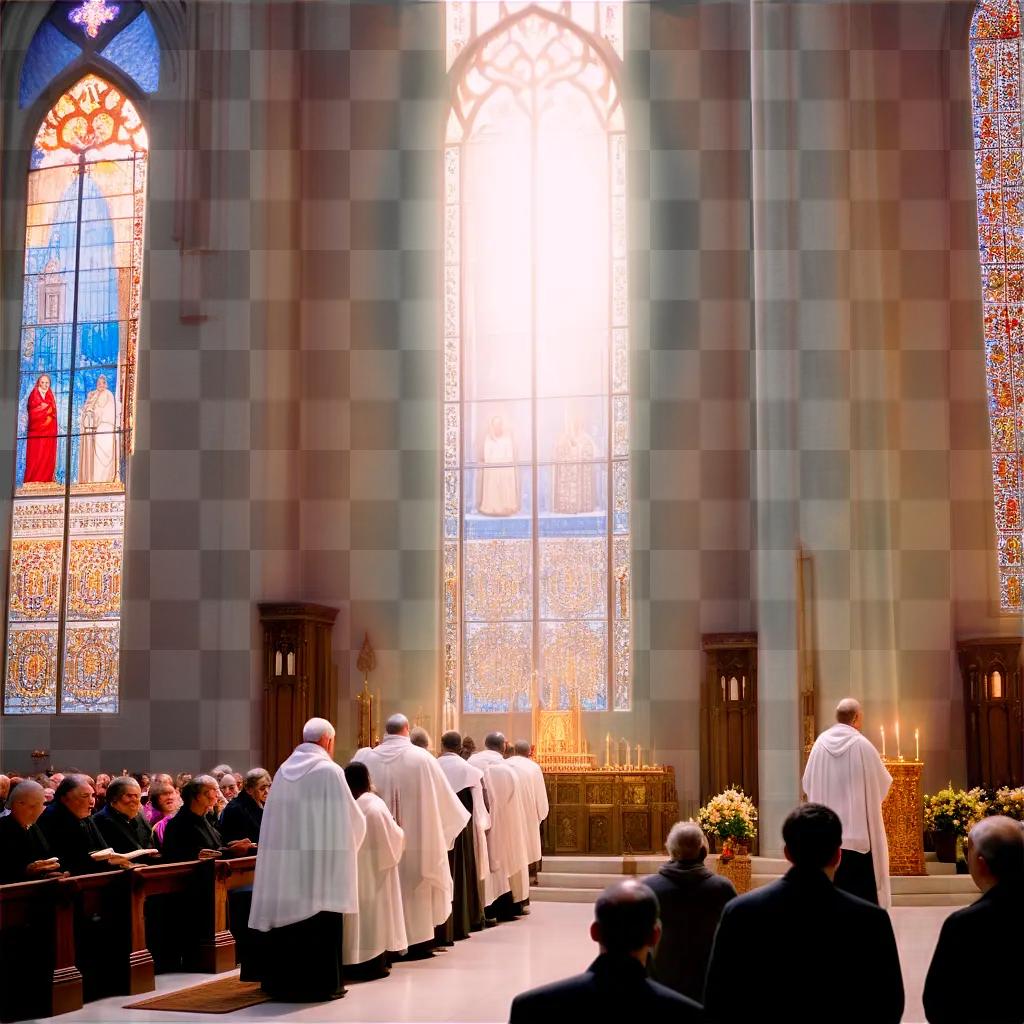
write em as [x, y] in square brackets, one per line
[244, 813]
[691, 898]
[845, 772]
[415, 790]
[810, 930]
[5, 789]
[121, 822]
[615, 987]
[229, 788]
[535, 800]
[468, 747]
[70, 831]
[189, 835]
[164, 801]
[507, 885]
[378, 928]
[468, 857]
[307, 872]
[984, 940]
[100, 786]
[25, 856]
[419, 737]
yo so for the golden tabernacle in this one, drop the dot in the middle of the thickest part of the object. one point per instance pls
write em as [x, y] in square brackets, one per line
[558, 741]
[903, 815]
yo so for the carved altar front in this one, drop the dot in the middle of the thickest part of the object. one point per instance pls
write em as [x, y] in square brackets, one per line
[903, 817]
[610, 812]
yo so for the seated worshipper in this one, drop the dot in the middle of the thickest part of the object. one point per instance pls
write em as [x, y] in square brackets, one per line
[100, 786]
[468, 747]
[229, 787]
[379, 927]
[121, 823]
[691, 899]
[24, 852]
[189, 834]
[244, 814]
[306, 872]
[180, 779]
[615, 987]
[419, 737]
[72, 834]
[164, 802]
[5, 790]
[468, 857]
[417, 793]
[984, 940]
[817, 938]
[535, 799]
[508, 883]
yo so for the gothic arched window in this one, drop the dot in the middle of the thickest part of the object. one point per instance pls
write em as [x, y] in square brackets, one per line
[85, 208]
[536, 545]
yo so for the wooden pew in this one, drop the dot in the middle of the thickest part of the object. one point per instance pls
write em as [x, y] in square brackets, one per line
[217, 951]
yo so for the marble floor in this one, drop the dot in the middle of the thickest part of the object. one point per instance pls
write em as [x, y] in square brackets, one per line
[475, 981]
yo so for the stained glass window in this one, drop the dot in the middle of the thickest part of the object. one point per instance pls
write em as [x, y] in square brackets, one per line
[536, 546]
[76, 402]
[996, 107]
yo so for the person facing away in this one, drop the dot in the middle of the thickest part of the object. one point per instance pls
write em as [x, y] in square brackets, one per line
[984, 940]
[845, 772]
[243, 816]
[615, 987]
[691, 899]
[121, 822]
[378, 928]
[25, 856]
[190, 835]
[814, 938]
[419, 737]
[417, 793]
[306, 872]
[71, 833]
[535, 800]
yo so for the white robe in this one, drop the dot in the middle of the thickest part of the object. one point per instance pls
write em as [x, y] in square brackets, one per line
[417, 793]
[535, 798]
[380, 925]
[309, 840]
[97, 448]
[845, 772]
[460, 775]
[506, 842]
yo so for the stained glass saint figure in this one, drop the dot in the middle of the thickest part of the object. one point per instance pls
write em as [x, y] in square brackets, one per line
[499, 491]
[574, 469]
[41, 446]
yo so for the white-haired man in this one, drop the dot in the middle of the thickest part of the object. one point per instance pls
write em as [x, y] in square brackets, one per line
[409, 781]
[306, 873]
[844, 772]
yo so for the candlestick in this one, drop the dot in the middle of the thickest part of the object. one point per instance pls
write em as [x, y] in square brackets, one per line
[899, 753]
[882, 727]
[639, 756]
[607, 748]
[917, 744]
[654, 761]
[629, 753]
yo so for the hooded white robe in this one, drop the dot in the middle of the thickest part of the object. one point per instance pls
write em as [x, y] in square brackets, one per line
[535, 798]
[409, 781]
[845, 772]
[506, 842]
[309, 840]
[461, 775]
[380, 924]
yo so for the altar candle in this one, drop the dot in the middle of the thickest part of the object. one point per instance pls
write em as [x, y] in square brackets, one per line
[607, 748]
[899, 754]
[629, 753]
[917, 744]
[882, 727]
[639, 756]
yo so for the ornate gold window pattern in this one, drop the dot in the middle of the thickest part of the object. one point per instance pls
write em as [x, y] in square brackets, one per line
[536, 546]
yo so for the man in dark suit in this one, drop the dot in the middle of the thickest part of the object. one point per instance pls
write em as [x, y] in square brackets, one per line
[242, 817]
[71, 833]
[788, 951]
[121, 822]
[615, 987]
[691, 899]
[24, 853]
[983, 940]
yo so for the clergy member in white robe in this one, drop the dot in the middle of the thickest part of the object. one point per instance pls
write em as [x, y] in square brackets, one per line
[535, 798]
[845, 772]
[306, 872]
[416, 792]
[507, 886]
[379, 927]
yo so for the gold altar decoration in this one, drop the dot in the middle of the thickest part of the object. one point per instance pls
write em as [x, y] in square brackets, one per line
[610, 812]
[558, 741]
[903, 816]
[736, 866]
[365, 702]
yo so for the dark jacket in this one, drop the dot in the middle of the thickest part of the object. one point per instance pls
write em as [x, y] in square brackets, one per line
[691, 899]
[124, 834]
[241, 819]
[19, 847]
[613, 988]
[72, 839]
[790, 950]
[977, 961]
[186, 834]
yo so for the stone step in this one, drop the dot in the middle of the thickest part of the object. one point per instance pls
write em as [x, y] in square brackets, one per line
[595, 883]
[645, 865]
[958, 884]
[935, 899]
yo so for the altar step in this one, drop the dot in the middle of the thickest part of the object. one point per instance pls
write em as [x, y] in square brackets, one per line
[580, 879]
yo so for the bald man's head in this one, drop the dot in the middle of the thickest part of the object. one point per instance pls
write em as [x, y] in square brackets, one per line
[26, 802]
[995, 852]
[626, 919]
[523, 748]
[397, 725]
[848, 712]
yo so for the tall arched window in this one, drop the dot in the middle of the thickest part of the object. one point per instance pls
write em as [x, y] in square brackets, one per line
[996, 107]
[536, 546]
[77, 361]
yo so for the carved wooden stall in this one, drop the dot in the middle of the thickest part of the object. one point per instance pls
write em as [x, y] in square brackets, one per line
[728, 734]
[299, 681]
[993, 710]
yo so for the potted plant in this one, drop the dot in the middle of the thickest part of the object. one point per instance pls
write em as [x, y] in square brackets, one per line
[731, 817]
[949, 815]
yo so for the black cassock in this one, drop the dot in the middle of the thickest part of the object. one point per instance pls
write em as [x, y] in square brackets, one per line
[301, 962]
[467, 909]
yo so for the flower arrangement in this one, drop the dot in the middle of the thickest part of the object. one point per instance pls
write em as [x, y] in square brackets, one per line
[1009, 802]
[732, 817]
[954, 810]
